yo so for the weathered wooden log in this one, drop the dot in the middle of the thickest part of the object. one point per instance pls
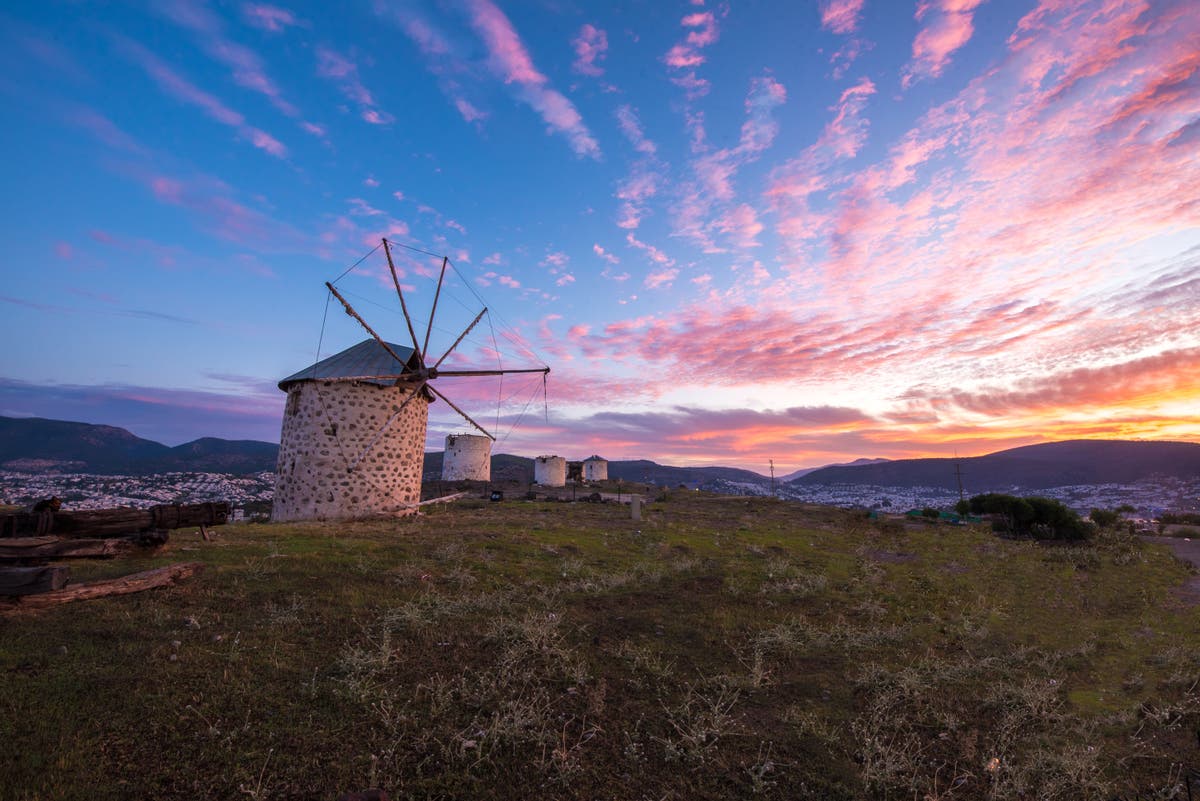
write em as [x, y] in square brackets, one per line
[31, 580]
[112, 522]
[136, 582]
[60, 548]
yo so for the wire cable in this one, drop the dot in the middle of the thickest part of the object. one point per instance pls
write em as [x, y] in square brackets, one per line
[360, 261]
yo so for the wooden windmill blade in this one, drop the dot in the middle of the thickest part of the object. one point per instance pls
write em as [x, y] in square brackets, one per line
[387, 249]
[429, 329]
[356, 423]
[461, 336]
[465, 416]
[350, 311]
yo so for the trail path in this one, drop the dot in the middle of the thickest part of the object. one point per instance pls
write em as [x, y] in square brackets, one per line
[1188, 551]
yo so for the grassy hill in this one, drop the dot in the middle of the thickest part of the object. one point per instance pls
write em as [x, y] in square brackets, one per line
[35, 444]
[718, 648]
[1053, 464]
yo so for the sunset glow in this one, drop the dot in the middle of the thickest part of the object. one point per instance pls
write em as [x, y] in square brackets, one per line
[735, 233]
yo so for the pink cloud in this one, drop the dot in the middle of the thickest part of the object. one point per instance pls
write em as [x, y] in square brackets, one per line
[468, 111]
[269, 18]
[654, 253]
[167, 189]
[948, 27]
[247, 68]
[681, 56]
[706, 206]
[344, 72]
[661, 278]
[591, 45]
[506, 51]
[64, 251]
[841, 16]
[604, 254]
[686, 55]
[706, 28]
[441, 58]
[742, 225]
[216, 211]
[182, 90]
[509, 59]
[794, 183]
[265, 141]
[631, 126]
[103, 129]
[361, 208]
[845, 56]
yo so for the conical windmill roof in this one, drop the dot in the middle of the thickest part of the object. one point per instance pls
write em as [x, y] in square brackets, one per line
[367, 358]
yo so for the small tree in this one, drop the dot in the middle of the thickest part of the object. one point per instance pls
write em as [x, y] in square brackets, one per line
[1104, 518]
[931, 513]
[963, 507]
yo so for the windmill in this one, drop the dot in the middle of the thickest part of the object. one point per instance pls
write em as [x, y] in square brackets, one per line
[353, 436]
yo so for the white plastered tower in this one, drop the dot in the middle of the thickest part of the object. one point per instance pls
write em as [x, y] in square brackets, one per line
[595, 469]
[550, 471]
[467, 457]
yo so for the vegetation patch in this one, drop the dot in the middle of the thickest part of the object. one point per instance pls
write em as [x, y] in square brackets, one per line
[717, 648]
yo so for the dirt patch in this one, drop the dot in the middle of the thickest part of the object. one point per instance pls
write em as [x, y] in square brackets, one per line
[1187, 550]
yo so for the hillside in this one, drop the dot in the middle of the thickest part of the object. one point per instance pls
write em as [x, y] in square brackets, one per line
[725, 648]
[647, 472]
[34, 444]
[804, 471]
[507, 467]
[1053, 464]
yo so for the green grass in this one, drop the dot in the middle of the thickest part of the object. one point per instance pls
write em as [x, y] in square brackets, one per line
[718, 648]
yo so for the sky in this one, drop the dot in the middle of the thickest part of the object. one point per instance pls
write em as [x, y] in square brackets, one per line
[737, 233]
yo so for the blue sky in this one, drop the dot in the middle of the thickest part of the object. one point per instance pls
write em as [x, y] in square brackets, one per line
[807, 232]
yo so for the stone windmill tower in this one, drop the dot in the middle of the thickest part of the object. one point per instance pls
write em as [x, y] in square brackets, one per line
[353, 437]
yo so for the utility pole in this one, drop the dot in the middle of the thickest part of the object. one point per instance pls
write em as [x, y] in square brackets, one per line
[772, 461]
[958, 475]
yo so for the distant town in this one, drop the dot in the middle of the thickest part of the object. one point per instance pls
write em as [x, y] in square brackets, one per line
[251, 494]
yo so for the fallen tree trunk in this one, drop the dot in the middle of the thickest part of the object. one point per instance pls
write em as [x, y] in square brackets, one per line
[16, 581]
[60, 548]
[103, 523]
[137, 582]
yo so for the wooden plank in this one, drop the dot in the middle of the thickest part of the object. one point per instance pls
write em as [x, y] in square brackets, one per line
[58, 548]
[30, 580]
[136, 582]
[112, 522]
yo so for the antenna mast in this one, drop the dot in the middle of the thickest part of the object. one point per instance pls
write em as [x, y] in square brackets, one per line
[958, 475]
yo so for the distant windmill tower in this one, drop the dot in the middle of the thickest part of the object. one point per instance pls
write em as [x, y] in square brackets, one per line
[353, 437]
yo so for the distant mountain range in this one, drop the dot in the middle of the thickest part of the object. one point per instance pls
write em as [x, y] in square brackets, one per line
[37, 445]
[506, 467]
[806, 470]
[1053, 464]
[33, 444]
